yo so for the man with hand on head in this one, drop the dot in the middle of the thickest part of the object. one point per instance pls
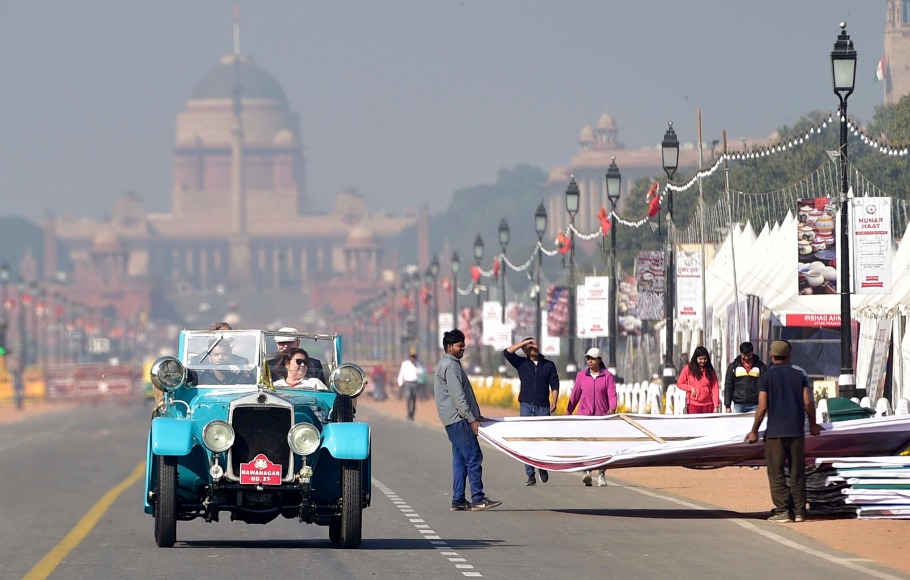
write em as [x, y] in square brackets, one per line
[539, 390]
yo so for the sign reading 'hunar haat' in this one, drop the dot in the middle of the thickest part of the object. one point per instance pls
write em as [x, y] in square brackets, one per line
[871, 229]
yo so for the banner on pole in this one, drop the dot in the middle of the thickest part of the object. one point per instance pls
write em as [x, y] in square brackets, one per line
[871, 243]
[688, 285]
[596, 321]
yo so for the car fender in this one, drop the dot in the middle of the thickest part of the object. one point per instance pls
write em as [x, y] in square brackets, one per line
[347, 440]
[171, 436]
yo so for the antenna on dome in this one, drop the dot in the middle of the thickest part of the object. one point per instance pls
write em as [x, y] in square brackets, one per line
[236, 28]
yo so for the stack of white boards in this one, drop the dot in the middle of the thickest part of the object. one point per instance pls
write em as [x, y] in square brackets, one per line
[879, 487]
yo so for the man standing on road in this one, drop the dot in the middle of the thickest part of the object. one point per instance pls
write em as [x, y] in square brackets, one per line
[741, 382]
[539, 390]
[784, 394]
[458, 410]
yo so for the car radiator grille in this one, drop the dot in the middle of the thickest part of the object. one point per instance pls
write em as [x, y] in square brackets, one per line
[261, 430]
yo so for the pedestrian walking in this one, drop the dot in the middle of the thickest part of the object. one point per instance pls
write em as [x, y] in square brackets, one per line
[594, 393]
[538, 391]
[409, 377]
[741, 380]
[699, 380]
[460, 414]
[785, 396]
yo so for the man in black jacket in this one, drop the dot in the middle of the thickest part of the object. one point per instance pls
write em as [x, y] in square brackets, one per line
[741, 382]
[539, 388]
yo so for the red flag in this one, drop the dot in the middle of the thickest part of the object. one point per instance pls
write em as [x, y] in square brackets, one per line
[654, 206]
[652, 190]
[496, 269]
[563, 243]
[605, 223]
[475, 273]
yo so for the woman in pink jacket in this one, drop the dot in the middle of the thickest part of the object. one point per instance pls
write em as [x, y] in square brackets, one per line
[699, 380]
[594, 393]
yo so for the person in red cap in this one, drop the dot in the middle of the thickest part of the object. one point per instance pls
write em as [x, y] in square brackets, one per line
[594, 393]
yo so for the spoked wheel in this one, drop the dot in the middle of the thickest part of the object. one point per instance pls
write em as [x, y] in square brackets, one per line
[351, 505]
[166, 502]
[343, 409]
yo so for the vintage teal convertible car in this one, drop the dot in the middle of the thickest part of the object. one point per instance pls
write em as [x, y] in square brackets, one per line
[225, 438]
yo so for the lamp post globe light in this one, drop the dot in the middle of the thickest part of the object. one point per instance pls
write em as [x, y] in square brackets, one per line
[614, 184]
[572, 198]
[503, 242]
[843, 69]
[540, 226]
[456, 266]
[670, 152]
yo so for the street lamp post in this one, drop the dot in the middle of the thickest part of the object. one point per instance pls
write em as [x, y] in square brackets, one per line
[843, 68]
[434, 311]
[670, 152]
[503, 242]
[572, 195]
[540, 226]
[456, 266]
[478, 257]
[614, 183]
[4, 280]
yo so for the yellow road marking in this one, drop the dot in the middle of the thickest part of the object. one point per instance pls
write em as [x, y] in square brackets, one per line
[52, 559]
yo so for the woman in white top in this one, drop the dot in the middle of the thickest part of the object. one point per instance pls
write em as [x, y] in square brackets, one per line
[295, 360]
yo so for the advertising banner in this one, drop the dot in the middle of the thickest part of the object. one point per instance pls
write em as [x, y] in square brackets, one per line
[557, 310]
[649, 275]
[548, 345]
[580, 315]
[688, 285]
[445, 323]
[871, 242]
[492, 322]
[816, 246]
[596, 306]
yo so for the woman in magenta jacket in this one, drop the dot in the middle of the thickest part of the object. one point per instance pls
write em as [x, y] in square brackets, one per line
[699, 380]
[594, 393]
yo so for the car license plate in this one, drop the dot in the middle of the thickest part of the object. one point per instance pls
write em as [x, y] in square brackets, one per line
[260, 471]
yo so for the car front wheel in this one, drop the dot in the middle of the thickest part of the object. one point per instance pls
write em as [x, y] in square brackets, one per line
[351, 505]
[166, 502]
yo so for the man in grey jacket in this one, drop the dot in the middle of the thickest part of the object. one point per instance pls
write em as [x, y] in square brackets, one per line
[458, 410]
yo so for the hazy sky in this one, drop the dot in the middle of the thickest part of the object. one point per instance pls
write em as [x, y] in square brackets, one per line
[406, 100]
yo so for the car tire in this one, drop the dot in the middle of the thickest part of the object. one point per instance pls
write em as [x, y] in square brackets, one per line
[343, 409]
[351, 504]
[166, 502]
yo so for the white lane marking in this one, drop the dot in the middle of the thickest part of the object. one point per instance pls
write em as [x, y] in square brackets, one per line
[745, 524]
[428, 534]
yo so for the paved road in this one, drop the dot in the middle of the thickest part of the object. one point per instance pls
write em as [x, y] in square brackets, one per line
[56, 467]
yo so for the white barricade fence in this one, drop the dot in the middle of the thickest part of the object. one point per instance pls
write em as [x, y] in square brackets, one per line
[883, 408]
[866, 402]
[903, 407]
[821, 411]
[654, 398]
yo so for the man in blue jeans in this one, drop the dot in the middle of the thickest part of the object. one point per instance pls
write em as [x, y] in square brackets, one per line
[458, 410]
[539, 390]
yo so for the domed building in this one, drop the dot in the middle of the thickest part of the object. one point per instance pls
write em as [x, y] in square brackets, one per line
[240, 229]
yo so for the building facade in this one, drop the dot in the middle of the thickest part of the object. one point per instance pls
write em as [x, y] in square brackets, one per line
[241, 226]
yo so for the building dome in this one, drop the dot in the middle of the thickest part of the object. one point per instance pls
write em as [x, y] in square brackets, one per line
[360, 236]
[106, 240]
[606, 122]
[586, 135]
[254, 81]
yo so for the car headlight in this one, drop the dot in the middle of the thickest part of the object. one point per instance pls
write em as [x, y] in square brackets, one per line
[167, 374]
[348, 379]
[218, 436]
[303, 439]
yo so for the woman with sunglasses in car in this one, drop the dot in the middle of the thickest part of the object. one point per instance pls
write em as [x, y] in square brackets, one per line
[295, 360]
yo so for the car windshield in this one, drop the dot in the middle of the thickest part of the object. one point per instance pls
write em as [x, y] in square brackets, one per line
[222, 357]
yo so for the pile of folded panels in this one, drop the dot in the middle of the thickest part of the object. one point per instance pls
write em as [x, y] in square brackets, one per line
[875, 487]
